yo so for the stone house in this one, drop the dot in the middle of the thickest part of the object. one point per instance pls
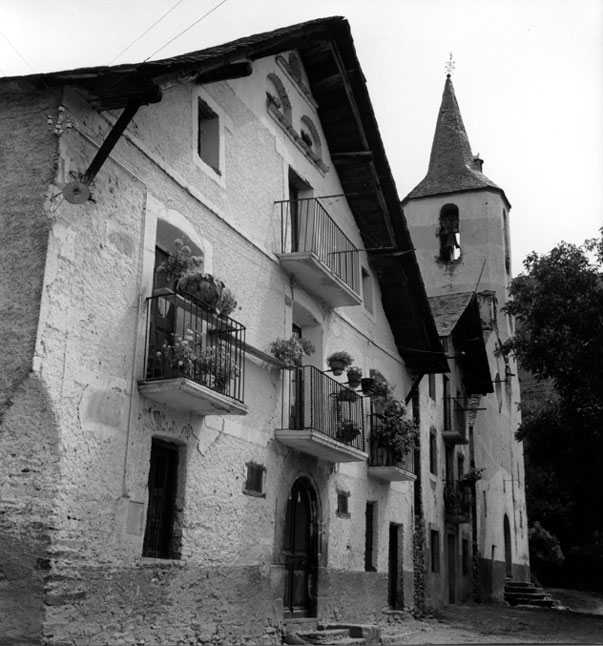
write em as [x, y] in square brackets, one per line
[459, 222]
[164, 478]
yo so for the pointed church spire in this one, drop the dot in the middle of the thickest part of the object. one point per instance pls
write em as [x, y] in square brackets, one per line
[452, 166]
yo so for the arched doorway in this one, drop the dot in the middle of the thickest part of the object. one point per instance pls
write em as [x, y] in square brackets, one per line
[301, 550]
[508, 552]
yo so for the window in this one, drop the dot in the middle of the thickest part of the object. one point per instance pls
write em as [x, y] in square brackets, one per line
[450, 245]
[309, 134]
[163, 483]
[367, 291]
[369, 539]
[432, 386]
[254, 483]
[208, 136]
[435, 550]
[485, 503]
[342, 504]
[460, 466]
[465, 556]
[447, 407]
[433, 451]
[277, 98]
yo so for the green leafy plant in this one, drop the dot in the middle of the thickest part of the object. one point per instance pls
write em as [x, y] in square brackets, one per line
[291, 350]
[395, 431]
[338, 361]
[381, 392]
[185, 272]
[179, 262]
[213, 366]
[472, 476]
[347, 431]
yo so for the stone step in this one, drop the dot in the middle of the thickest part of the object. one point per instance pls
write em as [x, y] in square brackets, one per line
[369, 632]
[324, 636]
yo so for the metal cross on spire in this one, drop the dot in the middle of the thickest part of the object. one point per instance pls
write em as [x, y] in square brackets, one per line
[450, 65]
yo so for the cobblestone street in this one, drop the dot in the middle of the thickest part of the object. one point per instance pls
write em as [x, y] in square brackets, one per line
[581, 622]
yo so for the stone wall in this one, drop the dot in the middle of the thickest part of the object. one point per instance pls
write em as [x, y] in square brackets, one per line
[28, 426]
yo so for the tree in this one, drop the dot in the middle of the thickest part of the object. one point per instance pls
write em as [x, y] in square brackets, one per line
[558, 307]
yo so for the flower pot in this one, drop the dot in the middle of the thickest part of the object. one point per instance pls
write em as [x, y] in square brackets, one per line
[367, 384]
[202, 286]
[337, 367]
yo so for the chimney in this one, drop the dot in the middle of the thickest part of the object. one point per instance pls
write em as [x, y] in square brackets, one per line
[478, 162]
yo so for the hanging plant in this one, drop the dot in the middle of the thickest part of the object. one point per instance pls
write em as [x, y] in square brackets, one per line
[347, 431]
[354, 376]
[339, 361]
[472, 476]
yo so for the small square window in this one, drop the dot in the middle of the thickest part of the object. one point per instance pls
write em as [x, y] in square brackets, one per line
[342, 504]
[254, 484]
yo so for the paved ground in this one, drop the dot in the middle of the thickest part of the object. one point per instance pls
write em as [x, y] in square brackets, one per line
[501, 624]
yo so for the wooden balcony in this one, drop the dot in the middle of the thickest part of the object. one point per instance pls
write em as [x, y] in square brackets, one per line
[321, 417]
[316, 252]
[194, 358]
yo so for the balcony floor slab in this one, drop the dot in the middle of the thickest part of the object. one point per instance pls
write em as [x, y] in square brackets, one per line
[391, 474]
[186, 395]
[318, 279]
[320, 445]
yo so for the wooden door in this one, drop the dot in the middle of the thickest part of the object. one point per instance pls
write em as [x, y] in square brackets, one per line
[301, 551]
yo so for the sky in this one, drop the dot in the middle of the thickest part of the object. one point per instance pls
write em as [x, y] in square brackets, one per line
[528, 76]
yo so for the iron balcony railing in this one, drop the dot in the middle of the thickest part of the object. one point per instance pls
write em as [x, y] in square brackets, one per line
[306, 226]
[457, 498]
[313, 400]
[185, 338]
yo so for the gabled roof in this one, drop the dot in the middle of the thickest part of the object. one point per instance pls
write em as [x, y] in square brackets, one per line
[327, 51]
[452, 166]
[457, 316]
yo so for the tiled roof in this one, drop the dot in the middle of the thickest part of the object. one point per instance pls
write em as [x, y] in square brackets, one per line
[447, 310]
[452, 165]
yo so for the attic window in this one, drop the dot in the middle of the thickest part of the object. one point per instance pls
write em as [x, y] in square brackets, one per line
[208, 136]
[450, 243]
[309, 135]
[277, 98]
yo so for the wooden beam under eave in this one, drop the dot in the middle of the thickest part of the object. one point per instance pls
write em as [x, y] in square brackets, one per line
[225, 73]
[352, 157]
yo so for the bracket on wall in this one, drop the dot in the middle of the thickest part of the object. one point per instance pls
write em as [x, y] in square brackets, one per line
[78, 191]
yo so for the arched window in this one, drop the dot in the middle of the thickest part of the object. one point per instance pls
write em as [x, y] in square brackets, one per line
[295, 66]
[310, 136]
[277, 97]
[450, 242]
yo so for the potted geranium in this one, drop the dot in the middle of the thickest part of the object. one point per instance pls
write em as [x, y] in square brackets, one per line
[472, 476]
[291, 350]
[395, 431]
[185, 273]
[354, 374]
[347, 431]
[179, 262]
[339, 361]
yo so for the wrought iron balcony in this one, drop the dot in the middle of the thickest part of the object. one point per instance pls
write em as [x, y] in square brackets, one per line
[457, 502]
[383, 462]
[194, 358]
[455, 424]
[321, 417]
[318, 254]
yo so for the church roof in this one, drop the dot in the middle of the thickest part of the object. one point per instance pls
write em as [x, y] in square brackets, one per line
[452, 165]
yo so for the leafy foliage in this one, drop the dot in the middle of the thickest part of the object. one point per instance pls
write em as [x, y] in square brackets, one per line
[558, 306]
[291, 350]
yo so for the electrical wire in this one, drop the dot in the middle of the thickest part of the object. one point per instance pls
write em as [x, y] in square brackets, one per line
[18, 52]
[185, 30]
[123, 51]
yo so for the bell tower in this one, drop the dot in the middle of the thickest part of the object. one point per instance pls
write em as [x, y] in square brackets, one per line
[458, 217]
